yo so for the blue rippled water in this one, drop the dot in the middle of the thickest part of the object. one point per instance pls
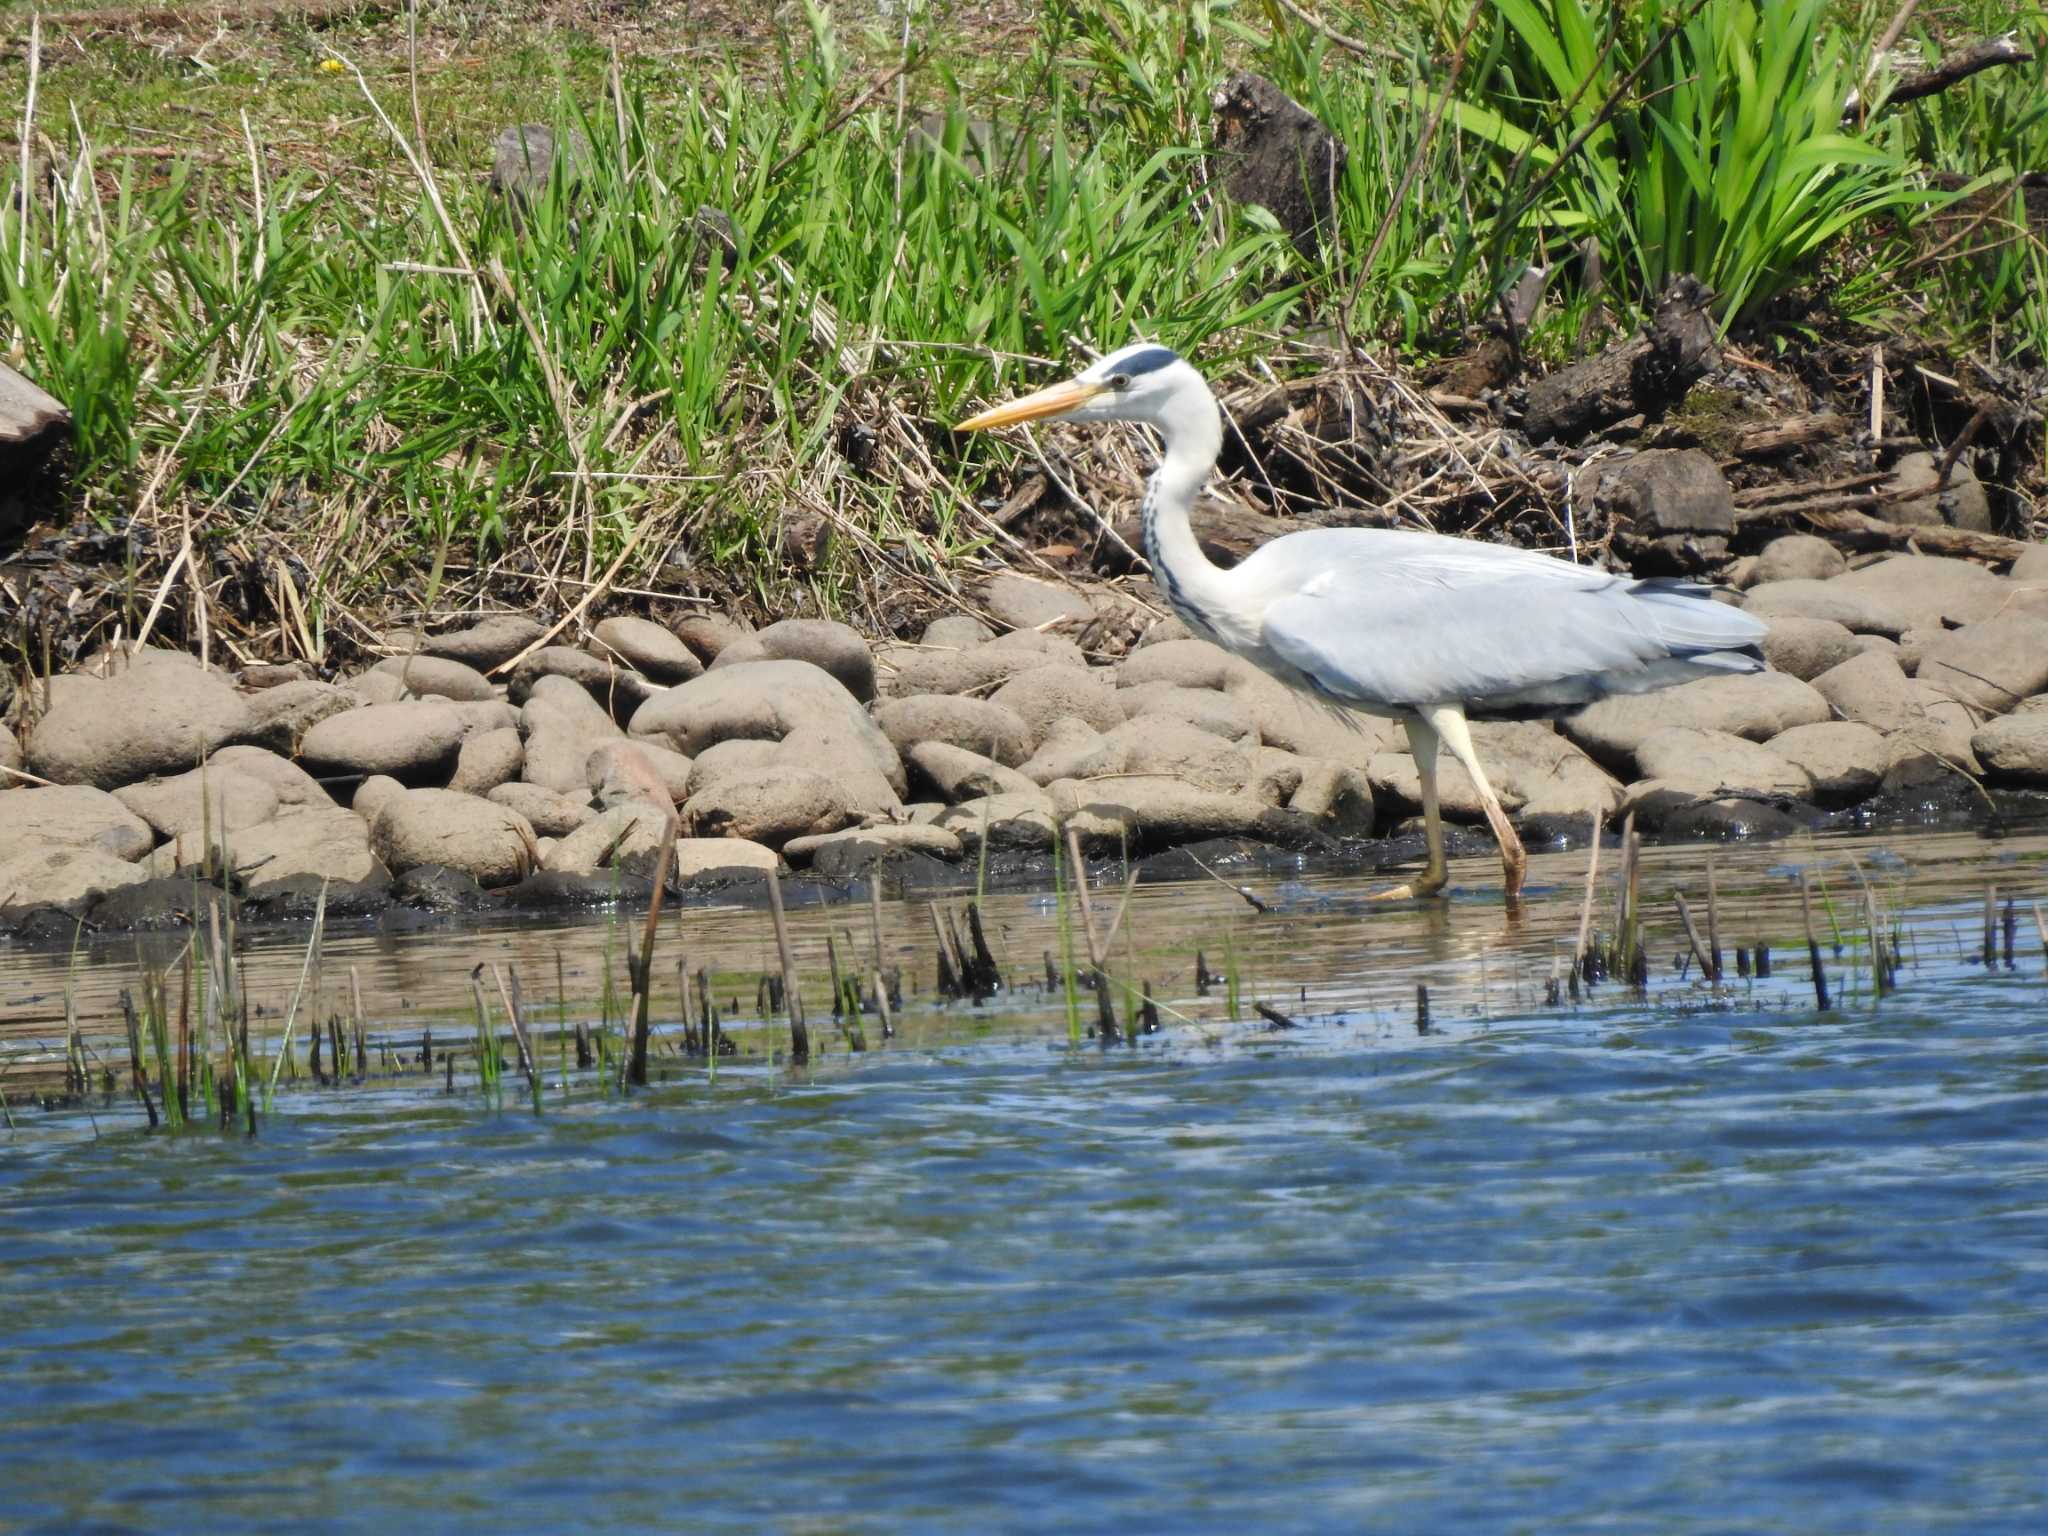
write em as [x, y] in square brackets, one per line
[1717, 1273]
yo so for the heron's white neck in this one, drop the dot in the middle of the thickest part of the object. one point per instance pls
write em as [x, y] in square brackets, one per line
[1198, 590]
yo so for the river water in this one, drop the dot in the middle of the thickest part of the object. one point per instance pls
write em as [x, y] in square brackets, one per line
[1704, 1261]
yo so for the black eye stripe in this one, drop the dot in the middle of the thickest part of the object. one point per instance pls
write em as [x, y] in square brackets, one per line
[1147, 360]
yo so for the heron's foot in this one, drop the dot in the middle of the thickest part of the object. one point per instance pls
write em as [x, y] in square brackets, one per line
[1429, 883]
[1514, 872]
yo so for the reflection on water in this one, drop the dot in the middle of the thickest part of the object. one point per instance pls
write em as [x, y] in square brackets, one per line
[1320, 949]
[1647, 1267]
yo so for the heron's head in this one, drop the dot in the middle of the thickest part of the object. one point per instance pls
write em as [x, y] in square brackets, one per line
[1143, 382]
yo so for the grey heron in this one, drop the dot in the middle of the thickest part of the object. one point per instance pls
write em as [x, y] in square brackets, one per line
[1426, 629]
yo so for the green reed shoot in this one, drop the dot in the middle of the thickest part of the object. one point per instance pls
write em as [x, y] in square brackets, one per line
[490, 1066]
[156, 1030]
[298, 995]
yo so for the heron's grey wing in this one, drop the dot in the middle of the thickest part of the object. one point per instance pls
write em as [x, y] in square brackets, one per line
[1414, 648]
[1426, 624]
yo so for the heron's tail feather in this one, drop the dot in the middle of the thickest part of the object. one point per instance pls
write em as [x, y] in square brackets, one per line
[1696, 629]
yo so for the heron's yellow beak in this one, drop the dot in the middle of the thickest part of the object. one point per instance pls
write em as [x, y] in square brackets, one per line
[1055, 401]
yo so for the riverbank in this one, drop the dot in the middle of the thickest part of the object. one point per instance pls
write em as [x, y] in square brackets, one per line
[496, 762]
[556, 306]
[449, 494]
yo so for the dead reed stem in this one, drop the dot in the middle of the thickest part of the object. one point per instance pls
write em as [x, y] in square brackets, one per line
[799, 1035]
[643, 965]
[1105, 1010]
[136, 1074]
[1586, 905]
[1713, 919]
[527, 1063]
[1692, 936]
[882, 1004]
[1820, 975]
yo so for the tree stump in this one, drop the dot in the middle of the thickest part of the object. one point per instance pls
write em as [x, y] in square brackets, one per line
[1272, 151]
[33, 425]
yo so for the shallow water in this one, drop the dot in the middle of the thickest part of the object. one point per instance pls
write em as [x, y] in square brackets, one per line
[1704, 1262]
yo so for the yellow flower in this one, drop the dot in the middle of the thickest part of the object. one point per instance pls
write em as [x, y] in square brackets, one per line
[330, 66]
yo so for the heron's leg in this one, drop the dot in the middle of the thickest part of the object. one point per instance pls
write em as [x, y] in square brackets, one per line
[1422, 745]
[1448, 721]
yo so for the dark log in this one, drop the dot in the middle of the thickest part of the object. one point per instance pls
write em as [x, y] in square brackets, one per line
[1642, 376]
[33, 425]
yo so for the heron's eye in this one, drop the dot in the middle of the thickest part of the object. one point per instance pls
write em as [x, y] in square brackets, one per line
[1119, 381]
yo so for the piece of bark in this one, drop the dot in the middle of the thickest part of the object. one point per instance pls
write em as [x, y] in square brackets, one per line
[1642, 376]
[1773, 438]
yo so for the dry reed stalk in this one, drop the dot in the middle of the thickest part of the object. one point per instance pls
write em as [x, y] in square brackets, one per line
[1820, 975]
[28, 124]
[838, 981]
[882, 1004]
[875, 919]
[643, 965]
[1586, 904]
[1708, 968]
[949, 981]
[799, 1034]
[1098, 973]
[527, 1061]
[136, 1074]
[1713, 919]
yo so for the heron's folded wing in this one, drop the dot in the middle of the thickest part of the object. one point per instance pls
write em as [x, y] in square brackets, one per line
[1383, 637]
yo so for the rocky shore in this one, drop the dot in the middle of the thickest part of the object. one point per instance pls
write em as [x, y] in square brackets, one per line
[477, 767]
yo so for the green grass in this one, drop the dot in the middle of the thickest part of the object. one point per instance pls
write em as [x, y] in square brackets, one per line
[283, 315]
[1712, 139]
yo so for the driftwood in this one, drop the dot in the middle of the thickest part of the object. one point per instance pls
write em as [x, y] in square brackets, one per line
[1954, 67]
[33, 423]
[1642, 376]
[1844, 508]
[1862, 531]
